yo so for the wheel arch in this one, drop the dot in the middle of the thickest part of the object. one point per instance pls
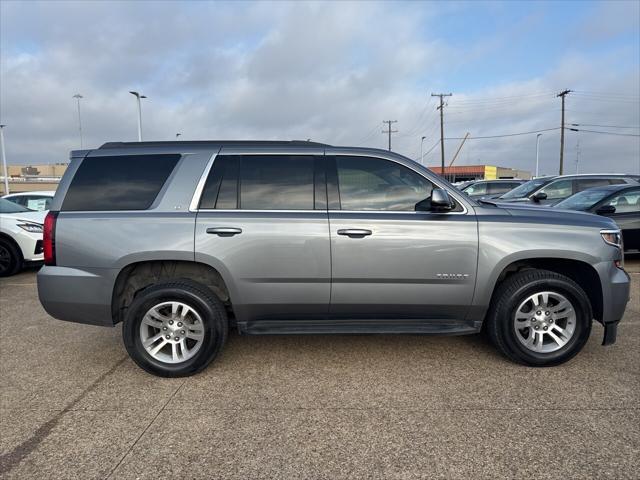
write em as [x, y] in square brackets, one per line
[137, 276]
[579, 271]
[9, 239]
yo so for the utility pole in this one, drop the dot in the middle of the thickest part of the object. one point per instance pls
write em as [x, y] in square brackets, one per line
[77, 96]
[562, 94]
[441, 108]
[4, 161]
[389, 131]
[537, 157]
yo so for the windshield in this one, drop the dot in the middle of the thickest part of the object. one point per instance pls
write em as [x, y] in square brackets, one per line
[9, 207]
[583, 200]
[526, 188]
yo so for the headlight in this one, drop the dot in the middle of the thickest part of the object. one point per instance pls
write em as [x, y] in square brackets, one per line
[31, 227]
[612, 237]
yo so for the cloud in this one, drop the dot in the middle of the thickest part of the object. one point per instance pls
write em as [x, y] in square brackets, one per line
[326, 71]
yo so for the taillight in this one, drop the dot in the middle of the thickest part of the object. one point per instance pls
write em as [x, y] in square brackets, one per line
[49, 238]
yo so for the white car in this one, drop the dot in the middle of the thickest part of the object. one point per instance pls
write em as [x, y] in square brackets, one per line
[38, 200]
[20, 237]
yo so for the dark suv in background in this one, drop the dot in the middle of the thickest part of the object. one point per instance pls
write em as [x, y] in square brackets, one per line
[491, 188]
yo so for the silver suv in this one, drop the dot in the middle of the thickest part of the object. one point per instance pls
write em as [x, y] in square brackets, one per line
[181, 241]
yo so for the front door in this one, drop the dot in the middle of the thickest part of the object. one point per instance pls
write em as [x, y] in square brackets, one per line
[262, 222]
[389, 261]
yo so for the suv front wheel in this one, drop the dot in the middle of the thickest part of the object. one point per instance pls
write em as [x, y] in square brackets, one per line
[175, 329]
[539, 318]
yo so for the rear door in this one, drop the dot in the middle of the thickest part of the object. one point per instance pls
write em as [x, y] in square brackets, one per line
[388, 260]
[262, 220]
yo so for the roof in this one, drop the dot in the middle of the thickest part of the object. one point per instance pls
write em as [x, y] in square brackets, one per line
[204, 143]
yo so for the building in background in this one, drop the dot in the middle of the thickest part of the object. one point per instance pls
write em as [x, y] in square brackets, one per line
[29, 178]
[462, 173]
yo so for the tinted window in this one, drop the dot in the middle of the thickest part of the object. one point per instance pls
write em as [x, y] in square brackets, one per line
[502, 187]
[626, 202]
[367, 183]
[276, 182]
[128, 182]
[525, 189]
[558, 189]
[476, 189]
[592, 182]
[7, 206]
[221, 189]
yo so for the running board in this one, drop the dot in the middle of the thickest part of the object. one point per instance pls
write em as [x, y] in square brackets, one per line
[376, 326]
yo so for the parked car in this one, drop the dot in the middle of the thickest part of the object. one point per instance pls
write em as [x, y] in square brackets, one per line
[549, 190]
[491, 188]
[37, 200]
[181, 241]
[621, 203]
[20, 237]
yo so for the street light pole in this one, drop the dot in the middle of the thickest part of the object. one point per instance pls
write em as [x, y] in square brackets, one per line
[421, 156]
[77, 96]
[4, 161]
[138, 97]
[537, 158]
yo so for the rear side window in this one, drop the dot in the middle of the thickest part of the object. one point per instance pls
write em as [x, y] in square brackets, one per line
[126, 182]
[592, 182]
[261, 182]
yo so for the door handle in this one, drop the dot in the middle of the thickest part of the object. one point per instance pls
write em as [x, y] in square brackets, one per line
[224, 231]
[354, 232]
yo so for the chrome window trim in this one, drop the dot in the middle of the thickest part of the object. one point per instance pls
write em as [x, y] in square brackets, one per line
[396, 212]
[195, 199]
[193, 206]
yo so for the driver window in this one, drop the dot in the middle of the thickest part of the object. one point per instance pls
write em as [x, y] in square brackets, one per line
[626, 202]
[556, 190]
[367, 183]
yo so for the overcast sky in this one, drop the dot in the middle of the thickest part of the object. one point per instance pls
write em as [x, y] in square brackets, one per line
[327, 71]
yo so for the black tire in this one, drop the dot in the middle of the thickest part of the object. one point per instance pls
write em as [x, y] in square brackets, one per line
[515, 290]
[10, 258]
[198, 297]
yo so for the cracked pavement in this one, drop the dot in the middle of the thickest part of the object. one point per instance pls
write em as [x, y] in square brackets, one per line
[73, 405]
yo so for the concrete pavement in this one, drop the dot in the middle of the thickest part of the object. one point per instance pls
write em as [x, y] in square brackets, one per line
[74, 406]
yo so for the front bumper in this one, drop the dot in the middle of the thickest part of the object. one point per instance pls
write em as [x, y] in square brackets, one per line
[30, 244]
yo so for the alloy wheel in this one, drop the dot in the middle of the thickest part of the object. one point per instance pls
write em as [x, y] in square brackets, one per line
[172, 332]
[545, 322]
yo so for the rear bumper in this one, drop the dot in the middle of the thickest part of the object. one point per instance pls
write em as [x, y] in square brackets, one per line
[76, 295]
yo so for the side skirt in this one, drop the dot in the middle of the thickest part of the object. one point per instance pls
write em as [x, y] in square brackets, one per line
[375, 326]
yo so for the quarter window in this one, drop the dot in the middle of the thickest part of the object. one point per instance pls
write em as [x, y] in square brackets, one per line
[367, 183]
[126, 182]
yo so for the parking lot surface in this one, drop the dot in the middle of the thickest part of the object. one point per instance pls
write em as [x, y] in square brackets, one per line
[74, 406]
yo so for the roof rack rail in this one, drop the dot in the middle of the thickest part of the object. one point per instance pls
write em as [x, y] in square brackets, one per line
[204, 143]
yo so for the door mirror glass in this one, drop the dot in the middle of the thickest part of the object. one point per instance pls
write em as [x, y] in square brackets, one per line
[440, 200]
[606, 210]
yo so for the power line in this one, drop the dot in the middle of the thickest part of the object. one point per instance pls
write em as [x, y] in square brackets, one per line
[430, 150]
[603, 126]
[606, 133]
[505, 135]
[389, 131]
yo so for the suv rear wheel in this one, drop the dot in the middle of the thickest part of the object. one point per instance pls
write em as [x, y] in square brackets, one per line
[175, 329]
[540, 318]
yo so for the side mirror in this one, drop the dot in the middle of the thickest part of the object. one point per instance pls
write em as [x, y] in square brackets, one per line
[538, 197]
[440, 200]
[606, 210]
